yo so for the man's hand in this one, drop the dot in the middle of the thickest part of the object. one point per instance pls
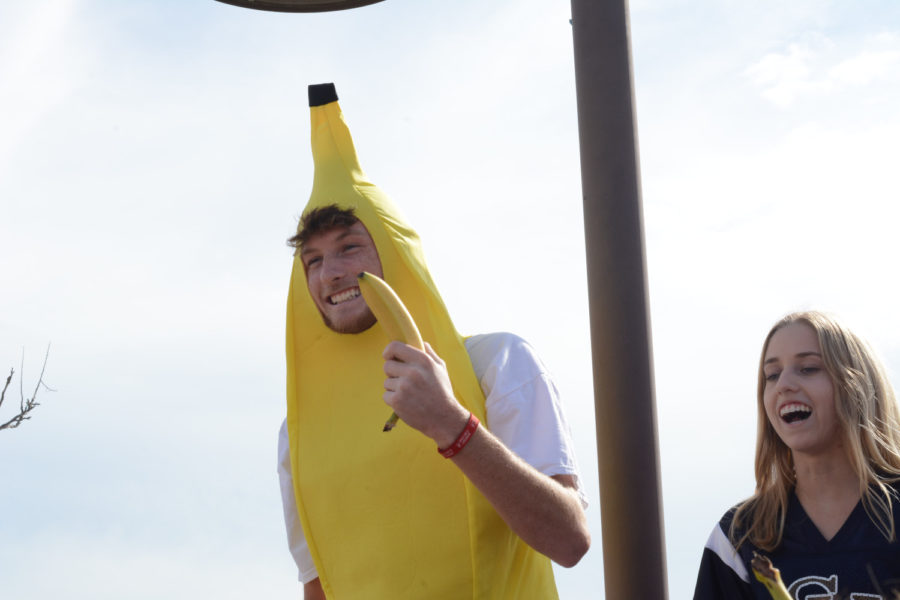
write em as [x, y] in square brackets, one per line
[418, 388]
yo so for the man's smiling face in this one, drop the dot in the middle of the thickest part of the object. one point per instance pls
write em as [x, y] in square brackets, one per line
[332, 260]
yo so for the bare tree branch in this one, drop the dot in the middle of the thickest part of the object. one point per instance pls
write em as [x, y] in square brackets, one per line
[26, 405]
[3, 393]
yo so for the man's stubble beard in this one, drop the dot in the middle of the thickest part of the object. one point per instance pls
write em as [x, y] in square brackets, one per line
[358, 325]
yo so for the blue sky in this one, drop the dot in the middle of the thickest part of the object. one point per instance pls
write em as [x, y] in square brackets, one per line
[154, 155]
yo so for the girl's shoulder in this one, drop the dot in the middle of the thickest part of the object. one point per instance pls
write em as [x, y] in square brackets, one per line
[724, 570]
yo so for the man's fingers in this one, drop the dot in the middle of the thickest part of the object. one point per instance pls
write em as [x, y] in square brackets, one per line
[390, 383]
[401, 360]
[397, 351]
[396, 368]
[405, 353]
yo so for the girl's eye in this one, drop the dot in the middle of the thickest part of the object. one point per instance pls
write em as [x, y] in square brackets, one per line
[772, 377]
[809, 370]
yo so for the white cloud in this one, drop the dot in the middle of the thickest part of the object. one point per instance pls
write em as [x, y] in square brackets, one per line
[783, 76]
[865, 68]
[817, 66]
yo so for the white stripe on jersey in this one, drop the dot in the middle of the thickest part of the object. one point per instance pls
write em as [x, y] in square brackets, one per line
[719, 543]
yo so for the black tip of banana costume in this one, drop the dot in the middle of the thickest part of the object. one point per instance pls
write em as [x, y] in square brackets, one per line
[321, 94]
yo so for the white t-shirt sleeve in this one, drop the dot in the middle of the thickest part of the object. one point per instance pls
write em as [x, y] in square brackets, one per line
[296, 540]
[523, 406]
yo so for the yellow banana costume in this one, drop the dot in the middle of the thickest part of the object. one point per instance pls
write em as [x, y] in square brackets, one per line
[385, 515]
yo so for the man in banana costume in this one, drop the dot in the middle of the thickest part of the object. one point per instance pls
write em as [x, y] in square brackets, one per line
[375, 515]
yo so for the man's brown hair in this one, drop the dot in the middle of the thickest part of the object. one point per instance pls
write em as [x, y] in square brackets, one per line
[319, 220]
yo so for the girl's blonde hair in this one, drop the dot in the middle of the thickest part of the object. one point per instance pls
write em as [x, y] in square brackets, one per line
[868, 418]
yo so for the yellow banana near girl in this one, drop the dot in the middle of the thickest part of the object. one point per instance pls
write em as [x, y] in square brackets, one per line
[393, 317]
[770, 577]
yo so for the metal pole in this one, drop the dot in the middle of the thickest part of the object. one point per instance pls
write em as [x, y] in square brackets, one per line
[628, 455]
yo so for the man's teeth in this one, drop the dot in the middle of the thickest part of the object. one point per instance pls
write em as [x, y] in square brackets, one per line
[344, 296]
[792, 412]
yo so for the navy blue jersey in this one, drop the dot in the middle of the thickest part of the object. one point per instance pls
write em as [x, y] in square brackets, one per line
[858, 563]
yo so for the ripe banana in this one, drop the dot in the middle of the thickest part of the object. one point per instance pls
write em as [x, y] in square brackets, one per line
[393, 317]
[770, 577]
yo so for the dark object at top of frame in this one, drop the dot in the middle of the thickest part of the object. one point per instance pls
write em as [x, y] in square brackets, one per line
[300, 5]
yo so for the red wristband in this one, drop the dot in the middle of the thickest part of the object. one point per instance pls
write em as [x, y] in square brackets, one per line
[463, 439]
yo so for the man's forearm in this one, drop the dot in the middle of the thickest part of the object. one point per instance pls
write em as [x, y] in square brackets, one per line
[544, 511]
[313, 590]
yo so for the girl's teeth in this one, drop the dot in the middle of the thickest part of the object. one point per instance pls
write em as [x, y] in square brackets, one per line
[794, 412]
[794, 408]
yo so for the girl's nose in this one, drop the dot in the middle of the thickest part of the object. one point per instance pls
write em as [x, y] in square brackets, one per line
[786, 382]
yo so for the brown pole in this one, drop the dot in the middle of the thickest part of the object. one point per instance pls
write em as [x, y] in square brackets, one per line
[628, 456]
